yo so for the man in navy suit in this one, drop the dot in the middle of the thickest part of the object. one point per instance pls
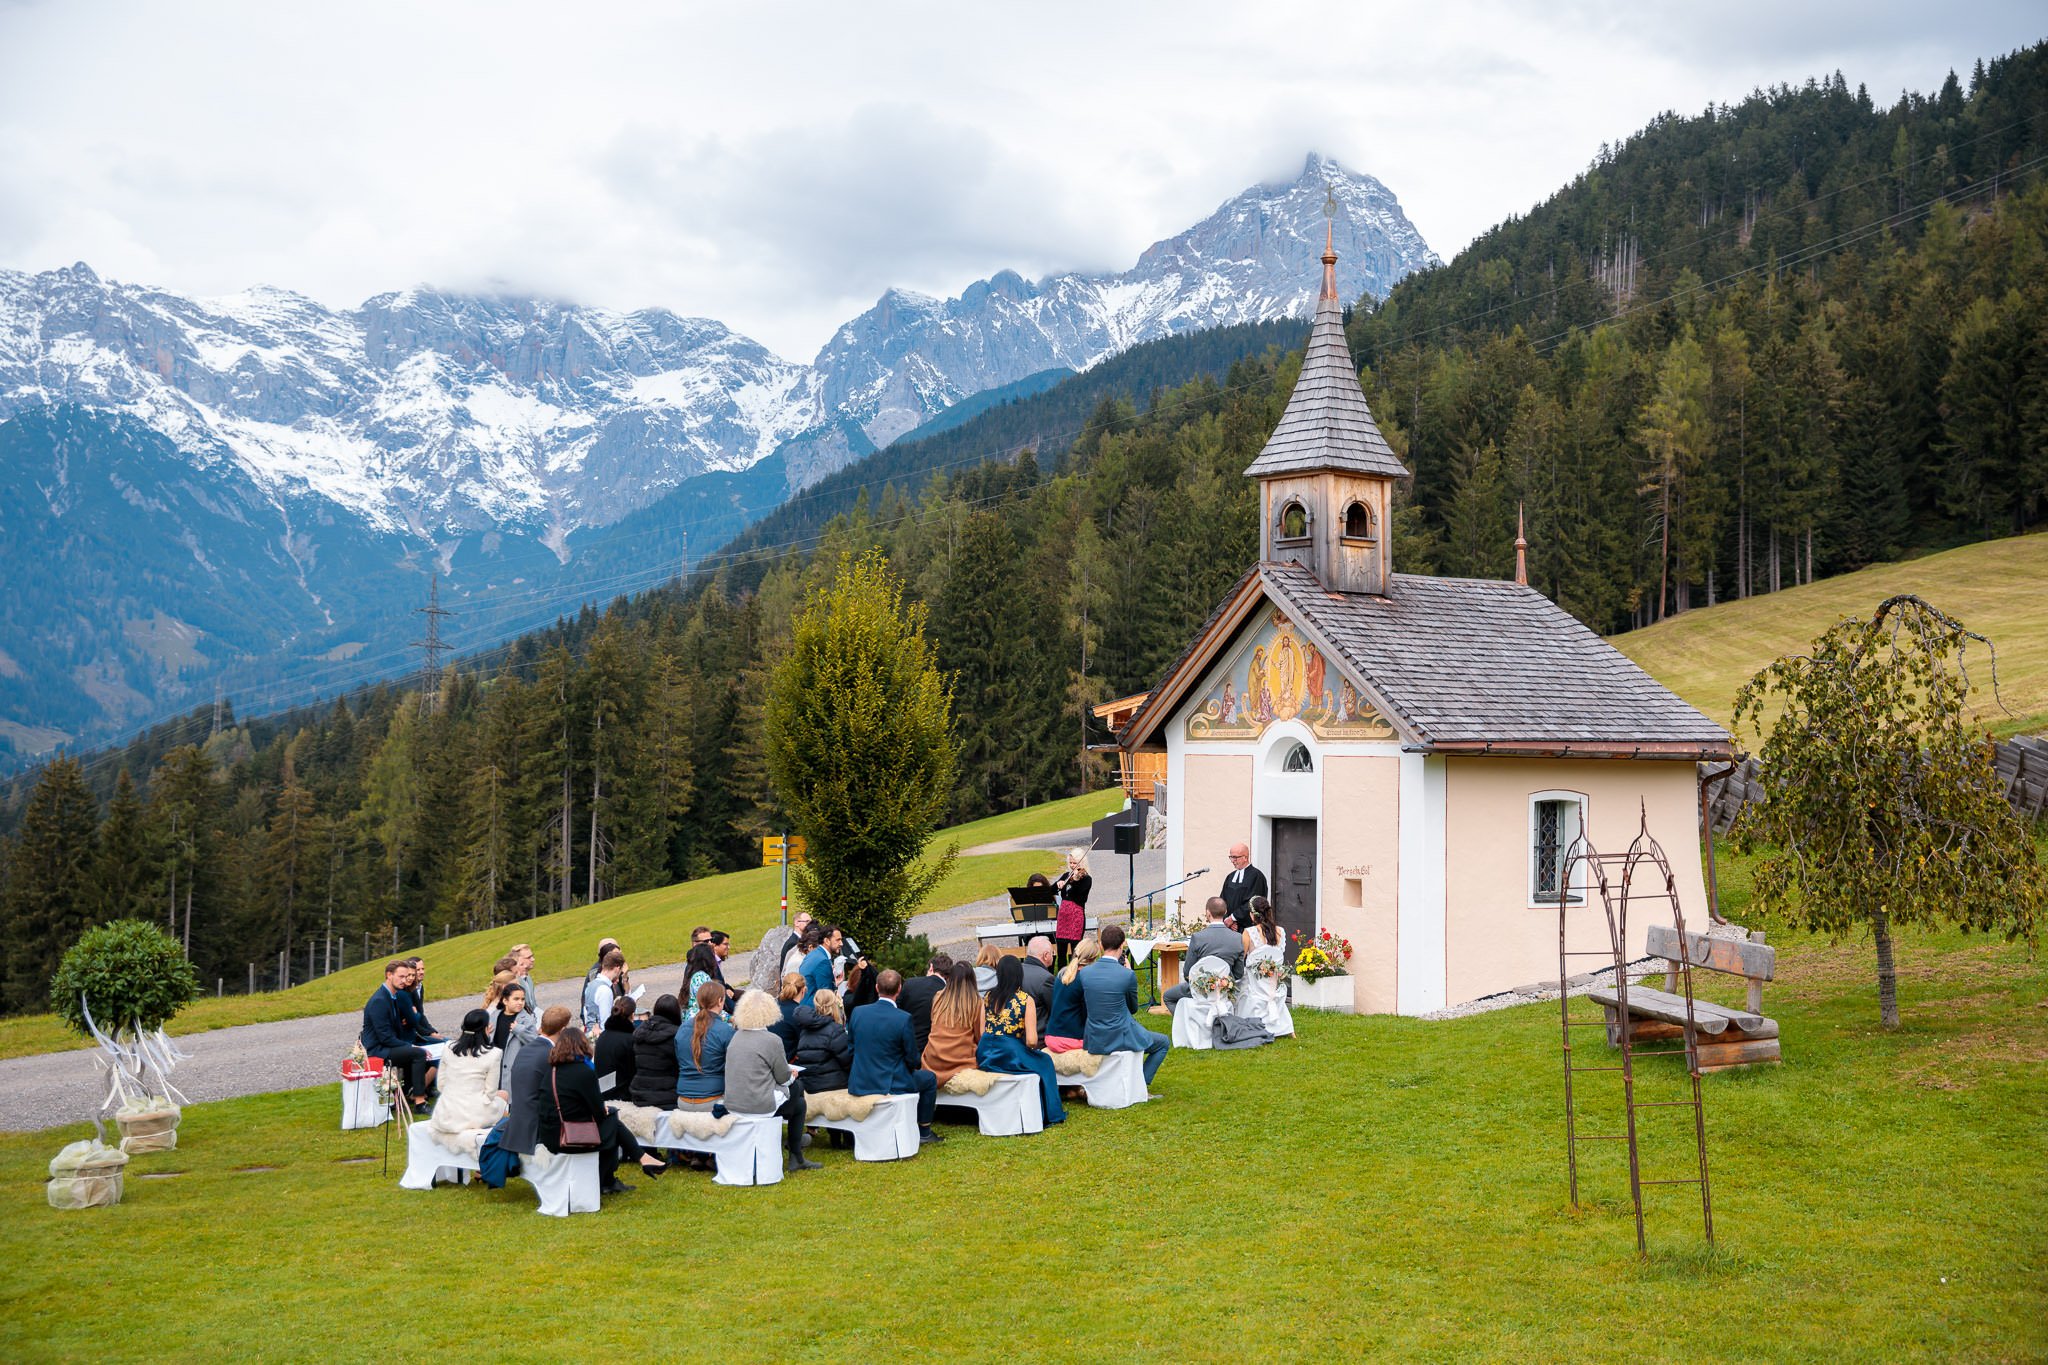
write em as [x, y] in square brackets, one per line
[387, 1032]
[886, 1055]
[1110, 991]
[531, 1095]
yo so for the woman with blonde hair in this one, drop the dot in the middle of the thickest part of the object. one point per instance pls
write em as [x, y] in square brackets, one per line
[956, 1025]
[985, 963]
[1071, 887]
[756, 1073]
[1067, 1020]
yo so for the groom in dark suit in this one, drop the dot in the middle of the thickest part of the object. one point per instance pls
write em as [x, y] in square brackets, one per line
[1243, 882]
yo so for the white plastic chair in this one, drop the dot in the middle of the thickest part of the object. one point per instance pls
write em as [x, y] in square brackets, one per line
[1194, 1018]
[1263, 1000]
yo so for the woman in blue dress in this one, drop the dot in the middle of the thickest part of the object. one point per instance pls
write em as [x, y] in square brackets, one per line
[1009, 1044]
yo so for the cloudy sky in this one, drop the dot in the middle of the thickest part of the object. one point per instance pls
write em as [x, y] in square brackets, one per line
[778, 165]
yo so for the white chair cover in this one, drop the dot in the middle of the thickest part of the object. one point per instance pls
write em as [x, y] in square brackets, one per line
[1194, 1018]
[428, 1159]
[1011, 1108]
[750, 1152]
[565, 1184]
[1263, 1000]
[888, 1133]
[359, 1107]
[1118, 1084]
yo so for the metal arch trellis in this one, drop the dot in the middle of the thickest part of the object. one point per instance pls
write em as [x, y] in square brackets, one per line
[1644, 853]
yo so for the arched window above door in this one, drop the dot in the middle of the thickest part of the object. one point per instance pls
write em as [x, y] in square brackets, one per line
[1297, 759]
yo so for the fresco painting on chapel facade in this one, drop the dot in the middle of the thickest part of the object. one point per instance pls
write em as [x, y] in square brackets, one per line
[1275, 675]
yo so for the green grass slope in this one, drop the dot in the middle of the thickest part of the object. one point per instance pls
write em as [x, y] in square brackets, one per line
[1996, 588]
[1377, 1189]
[654, 925]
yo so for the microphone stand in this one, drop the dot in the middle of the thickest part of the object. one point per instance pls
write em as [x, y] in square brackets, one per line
[1152, 958]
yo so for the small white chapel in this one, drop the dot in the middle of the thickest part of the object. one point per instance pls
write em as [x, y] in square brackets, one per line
[1409, 758]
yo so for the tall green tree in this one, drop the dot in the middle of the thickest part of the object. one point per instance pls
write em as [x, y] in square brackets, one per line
[51, 897]
[861, 751]
[124, 864]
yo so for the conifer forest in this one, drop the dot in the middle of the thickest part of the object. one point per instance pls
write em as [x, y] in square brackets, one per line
[1748, 347]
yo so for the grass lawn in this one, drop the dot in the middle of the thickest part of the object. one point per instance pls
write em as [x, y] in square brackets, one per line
[1994, 588]
[1377, 1188]
[654, 925]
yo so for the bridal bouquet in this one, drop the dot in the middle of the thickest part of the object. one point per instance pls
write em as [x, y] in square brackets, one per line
[1321, 956]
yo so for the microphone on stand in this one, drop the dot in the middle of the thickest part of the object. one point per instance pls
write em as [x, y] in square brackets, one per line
[1198, 872]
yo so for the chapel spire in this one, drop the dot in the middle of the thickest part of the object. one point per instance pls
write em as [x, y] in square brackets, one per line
[1521, 548]
[1326, 473]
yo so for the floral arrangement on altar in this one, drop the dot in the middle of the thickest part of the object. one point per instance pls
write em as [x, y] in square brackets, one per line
[1212, 983]
[1321, 956]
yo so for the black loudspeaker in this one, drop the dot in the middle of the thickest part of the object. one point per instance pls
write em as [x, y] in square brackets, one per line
[1129, 838]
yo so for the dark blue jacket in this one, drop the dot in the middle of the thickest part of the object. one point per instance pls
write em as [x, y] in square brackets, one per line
[384, 1027]
[1068, 1016]
[884, 1050]
[695, 1082]
[412, 1017]
[1109, 993]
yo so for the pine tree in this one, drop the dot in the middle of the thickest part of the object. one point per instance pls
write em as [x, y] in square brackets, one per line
[125, 870]
[291, 865]
[51, 898]
[184, 815]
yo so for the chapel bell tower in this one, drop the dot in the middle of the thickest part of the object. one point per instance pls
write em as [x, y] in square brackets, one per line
[1326, 475]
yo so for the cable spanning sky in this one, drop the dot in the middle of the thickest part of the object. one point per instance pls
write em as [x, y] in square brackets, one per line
[776, 166]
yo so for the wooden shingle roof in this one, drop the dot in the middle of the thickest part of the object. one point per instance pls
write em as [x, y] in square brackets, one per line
[1327, 424]
[1466, 662]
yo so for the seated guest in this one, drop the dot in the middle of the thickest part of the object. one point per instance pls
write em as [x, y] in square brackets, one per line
[1011, 1043]
[755, 1067]
[985, 967]
[572, 1092]
[1215, 939]
[386, 1035]
[885, 1053]
[1069, 1016]
[817, 970]
[522, 959]
[613, 1055]
[956, 1026]
[918, 995]
[789, 991]
[700, 1052]
[1109, 992]
[422, 1031]
[699, 967]
[604, 946]
[654, 1055]
[471, 1096]
[512, 1023]
[530, 1084]
[1038, 976]
[822, 1048]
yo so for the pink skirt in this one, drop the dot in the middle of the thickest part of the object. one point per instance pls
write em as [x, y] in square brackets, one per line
[1072, 922]
[1062, 1044]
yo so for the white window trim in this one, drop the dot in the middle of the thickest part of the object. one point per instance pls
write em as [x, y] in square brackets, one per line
[1581, 881]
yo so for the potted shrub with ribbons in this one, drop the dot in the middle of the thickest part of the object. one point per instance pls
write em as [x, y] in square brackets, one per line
[119, 985]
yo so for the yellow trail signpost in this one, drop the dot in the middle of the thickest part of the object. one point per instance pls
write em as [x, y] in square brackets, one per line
[780, 850]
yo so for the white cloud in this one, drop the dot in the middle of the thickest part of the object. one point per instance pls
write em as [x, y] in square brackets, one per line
[778, 165]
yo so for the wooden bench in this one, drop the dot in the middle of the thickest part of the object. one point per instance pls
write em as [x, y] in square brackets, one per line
[1725, 1036]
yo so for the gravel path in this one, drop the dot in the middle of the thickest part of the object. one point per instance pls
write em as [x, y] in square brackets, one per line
[252, 1059]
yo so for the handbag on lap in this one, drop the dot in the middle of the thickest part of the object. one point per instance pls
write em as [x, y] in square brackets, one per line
[578, 1135]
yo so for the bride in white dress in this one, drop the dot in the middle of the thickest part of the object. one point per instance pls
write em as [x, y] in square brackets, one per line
[1260, 998]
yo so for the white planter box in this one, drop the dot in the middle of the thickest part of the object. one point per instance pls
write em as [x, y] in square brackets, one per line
[1331, 993]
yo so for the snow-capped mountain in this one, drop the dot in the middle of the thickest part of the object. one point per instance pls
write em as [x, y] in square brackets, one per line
[1254, 259]
[259, 483]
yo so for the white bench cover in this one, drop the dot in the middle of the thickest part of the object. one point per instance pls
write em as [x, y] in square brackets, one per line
[359, 1106]
[1118, 1084]
[1012, 1107]
[888, 1133]
[748, 1153]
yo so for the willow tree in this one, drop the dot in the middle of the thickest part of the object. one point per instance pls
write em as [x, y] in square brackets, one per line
[1881, 807]
[860, 748]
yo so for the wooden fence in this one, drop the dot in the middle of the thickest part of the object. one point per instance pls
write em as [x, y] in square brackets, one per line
[2021, 764]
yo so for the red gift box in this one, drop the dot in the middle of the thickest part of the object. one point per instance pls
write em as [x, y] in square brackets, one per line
[352, 1070]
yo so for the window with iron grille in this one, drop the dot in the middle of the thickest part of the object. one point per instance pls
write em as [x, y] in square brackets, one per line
[1555, 822]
